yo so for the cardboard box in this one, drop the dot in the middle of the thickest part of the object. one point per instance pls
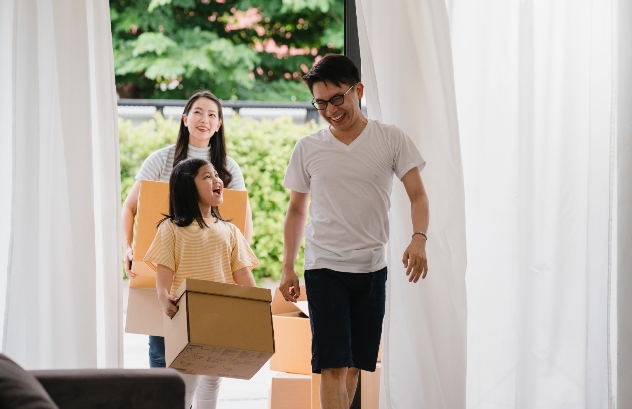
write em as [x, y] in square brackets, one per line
[144, 313]
[153, 204]
[315, 391]
[292, 335]
[290, 391]
[220, 329]
[370, 388]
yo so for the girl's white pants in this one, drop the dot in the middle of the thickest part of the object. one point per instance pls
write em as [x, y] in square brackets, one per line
[201, 391]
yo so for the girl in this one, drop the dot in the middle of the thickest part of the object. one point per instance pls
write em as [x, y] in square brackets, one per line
[193, 241]
[201, 135]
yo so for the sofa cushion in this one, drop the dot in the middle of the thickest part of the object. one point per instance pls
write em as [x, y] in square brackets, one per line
[19, 389]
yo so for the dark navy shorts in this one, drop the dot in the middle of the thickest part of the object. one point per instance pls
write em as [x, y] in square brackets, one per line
[346, 311]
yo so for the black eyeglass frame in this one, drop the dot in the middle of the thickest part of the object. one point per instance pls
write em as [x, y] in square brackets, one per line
[330, 100]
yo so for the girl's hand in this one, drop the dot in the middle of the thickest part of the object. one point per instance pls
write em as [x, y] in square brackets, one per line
[168, 304]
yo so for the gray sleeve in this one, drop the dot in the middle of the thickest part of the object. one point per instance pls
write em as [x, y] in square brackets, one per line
[237, 183]
[152, 166]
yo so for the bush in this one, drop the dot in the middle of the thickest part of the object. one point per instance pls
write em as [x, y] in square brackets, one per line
[262, 148]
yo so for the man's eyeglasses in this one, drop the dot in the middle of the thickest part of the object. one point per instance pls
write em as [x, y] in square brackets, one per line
[336, 100]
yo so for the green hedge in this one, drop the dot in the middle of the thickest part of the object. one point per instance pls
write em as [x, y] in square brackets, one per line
[262, 149]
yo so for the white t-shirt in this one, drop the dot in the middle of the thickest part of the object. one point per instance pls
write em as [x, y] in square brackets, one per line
[350, 194]
[159, 165]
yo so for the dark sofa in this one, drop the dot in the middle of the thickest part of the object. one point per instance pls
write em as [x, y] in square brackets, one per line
[89, 388]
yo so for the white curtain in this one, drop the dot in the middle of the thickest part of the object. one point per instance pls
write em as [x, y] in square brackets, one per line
[536, 86]
[60, 273]
[407, 70]
[535, 92]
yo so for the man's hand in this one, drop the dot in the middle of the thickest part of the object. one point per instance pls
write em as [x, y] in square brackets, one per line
[415, 260]
[289, 285]
[129, 256]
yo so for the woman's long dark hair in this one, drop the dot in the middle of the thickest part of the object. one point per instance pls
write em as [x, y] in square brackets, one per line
[217, 143]
[184, 196]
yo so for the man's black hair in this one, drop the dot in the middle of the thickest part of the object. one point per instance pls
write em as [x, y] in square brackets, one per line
[335, 69]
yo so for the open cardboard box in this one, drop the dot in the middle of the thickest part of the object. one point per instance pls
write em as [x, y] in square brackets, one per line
[292, 335]
[144, 312]
[219, 329]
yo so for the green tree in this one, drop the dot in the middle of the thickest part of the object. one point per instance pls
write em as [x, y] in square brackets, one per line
[239, 49]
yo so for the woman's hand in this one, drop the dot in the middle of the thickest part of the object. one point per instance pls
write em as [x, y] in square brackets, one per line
[129, 256]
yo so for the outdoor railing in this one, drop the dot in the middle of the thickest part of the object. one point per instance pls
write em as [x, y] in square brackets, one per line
[236, 106]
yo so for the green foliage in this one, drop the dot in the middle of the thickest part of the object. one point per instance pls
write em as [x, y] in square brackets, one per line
[171, 48]
[261, 148]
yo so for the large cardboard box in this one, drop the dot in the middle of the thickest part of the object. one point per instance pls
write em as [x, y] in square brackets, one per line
[292, 335]
[290, 391]
[219, 329]
[144, 312]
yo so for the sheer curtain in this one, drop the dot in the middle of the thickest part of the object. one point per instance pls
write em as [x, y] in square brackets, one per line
[407, 70]
[60, 280]
[535, 91]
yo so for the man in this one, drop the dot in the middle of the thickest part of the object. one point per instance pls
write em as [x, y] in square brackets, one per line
[348, 168]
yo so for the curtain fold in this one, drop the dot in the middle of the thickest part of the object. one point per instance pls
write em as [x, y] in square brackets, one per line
[62, 306]
[535, 91]
[407, 70]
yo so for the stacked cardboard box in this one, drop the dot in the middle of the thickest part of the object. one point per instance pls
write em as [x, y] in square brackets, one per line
[293, 341]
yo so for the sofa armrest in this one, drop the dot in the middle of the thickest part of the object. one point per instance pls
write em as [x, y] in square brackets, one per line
[113, 388]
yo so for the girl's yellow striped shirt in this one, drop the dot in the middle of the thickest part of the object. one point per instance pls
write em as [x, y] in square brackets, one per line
[210, 253]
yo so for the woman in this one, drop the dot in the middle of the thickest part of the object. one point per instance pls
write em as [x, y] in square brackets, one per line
[201, 135]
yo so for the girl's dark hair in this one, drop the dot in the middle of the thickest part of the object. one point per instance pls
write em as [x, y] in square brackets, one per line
[184, 196]
[333, 68]
[217, 143]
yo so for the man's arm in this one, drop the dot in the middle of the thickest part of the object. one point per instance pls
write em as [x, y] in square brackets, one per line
[414, 258]
[293, 231]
